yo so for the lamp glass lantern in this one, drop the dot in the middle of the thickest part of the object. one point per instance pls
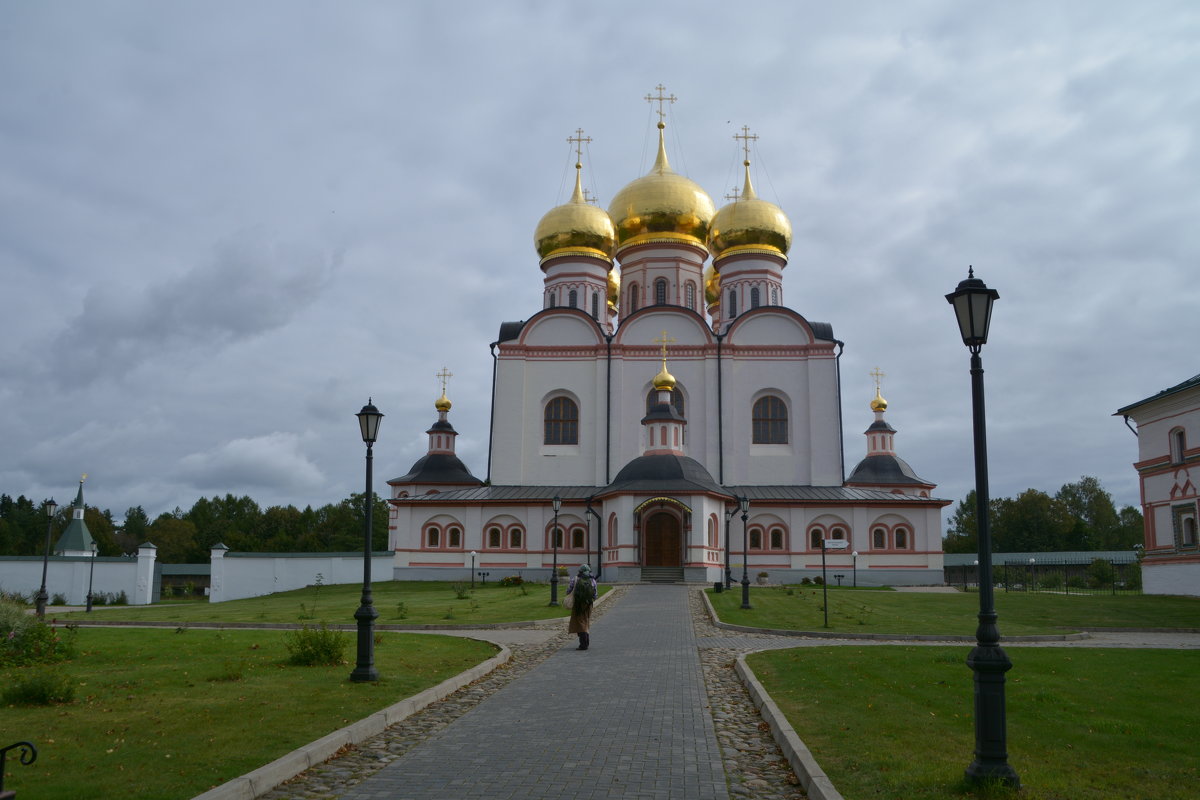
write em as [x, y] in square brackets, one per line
[368, 422]
[972, 302]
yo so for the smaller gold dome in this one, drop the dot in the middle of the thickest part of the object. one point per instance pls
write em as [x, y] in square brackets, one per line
[664, 380]
[614, 289]
[442, 403]
[712, 286]
[750, 225]
[878, 404]
[576, 227]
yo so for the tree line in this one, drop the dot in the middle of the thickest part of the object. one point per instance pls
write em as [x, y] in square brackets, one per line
[1080, 516]
[187, 537]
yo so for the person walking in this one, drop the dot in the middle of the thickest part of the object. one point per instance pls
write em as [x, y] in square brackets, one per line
[582, 591]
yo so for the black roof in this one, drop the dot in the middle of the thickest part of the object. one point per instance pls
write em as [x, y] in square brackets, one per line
[438, 468]
[1179, 387]
[664, 473]
[884, 469]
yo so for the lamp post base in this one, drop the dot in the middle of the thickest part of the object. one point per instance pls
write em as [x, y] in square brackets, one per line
[364, 671]
[989, 662]
[746, 592]
[554, 589]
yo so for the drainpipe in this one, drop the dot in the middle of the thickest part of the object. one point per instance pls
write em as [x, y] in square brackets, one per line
[608, 411]
[492, 421]
[720, 416]
[841, 437]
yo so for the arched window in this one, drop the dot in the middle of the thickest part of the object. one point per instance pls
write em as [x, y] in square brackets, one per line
[633, 298]
[612, 530]
[712, 531]
[433, 537]
[769, 421]
[838, 533]
[557, 534]
[553, 300]
[562, 421]
[573, 298]
[814, 538]
[756, 539]
[454, 537]
[577, 539]
[732, 304]
[901, 535]
[879, 539]
[516, 538]
[774, 295]
[595, 305]
[754, 301]
[689, 294]
[660, 292]
[1178, 445]
[493, 537]
[1189, 532]
[776, 538]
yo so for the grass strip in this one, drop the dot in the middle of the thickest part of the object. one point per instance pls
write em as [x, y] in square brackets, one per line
[166, 714]
[398, 602]
[1021, 614]
[1083, 724]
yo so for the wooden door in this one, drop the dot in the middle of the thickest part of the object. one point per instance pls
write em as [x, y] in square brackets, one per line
[662, 541]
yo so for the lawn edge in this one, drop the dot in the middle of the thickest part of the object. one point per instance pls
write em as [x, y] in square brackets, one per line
[812, 777]
[260, 781]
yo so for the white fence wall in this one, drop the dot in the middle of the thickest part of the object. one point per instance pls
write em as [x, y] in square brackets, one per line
[238, 575]
[68, 576]
[1171, 579]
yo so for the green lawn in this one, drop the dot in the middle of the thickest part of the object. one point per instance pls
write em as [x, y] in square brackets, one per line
[425, 602]
[868, 611]
[1083, 724]
[174, 714]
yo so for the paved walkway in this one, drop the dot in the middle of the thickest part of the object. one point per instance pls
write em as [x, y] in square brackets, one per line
[628, 718]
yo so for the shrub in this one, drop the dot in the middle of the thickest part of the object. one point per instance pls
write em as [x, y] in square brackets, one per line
[26, 640]
[402, 610]
[1100, 573]
[1076, 582]
[818, 580]
[315, 646]
[58, 599]
[512, 580]
[121, 599]
[40, 688]
[1051, 580]
[806, 581]
[461, 590]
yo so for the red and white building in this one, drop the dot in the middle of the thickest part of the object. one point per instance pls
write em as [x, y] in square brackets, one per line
[1168, 465]
[662, 378]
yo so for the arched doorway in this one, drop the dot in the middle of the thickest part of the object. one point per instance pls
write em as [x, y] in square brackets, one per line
[663, 541]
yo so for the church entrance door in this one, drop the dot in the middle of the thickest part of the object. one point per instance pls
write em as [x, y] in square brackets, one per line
[662, 541]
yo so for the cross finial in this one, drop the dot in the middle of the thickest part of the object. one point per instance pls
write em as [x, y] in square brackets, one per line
[878, 375]
[660, 99]
[444, 375]
[83, 477]
[579, 140]
[664, 340]
[588, 197]
[746, 136]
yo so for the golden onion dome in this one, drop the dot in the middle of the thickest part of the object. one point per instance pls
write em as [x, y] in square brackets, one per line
[750, 225]
[878, 404]
[664, 380]
[661, 205]
[614, 289]
[442, 403]
[712, 286]
[576, 228]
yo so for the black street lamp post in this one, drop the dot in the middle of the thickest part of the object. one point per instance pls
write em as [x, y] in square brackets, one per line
[554, 545]
[473, 554]
[589, 511]
[42, 597]
[854, 567]
[972, 302]
[729, 515]
[364, 671]
[744, 505]
[91, 574]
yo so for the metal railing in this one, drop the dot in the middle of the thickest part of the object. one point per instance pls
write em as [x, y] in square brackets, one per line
[1055, 576]
[27, 755]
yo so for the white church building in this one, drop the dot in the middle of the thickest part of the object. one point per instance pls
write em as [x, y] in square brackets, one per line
[662, 379]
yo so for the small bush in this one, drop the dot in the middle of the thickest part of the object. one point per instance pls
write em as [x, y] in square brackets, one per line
[402, 610]
[461, 590]
[317, 646]
[1053, 580]
[1100, 573]
[58, 599]
[512, 580]
[121, 599]
[806, 581]
[26, 640]
[40, 688]
[819, 581]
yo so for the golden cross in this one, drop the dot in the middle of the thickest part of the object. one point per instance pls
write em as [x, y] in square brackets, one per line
[83, 478]
[588, 197]
[664, 340]
[444, 375]
[660, 100]
[746, 136]
[878, 375]
[579, 140]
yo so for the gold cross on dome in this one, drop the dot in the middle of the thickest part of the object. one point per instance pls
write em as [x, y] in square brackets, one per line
[579, 140]
[878, 375]
[444, 375]
[660, 99]
[746, 136]
[664, 340]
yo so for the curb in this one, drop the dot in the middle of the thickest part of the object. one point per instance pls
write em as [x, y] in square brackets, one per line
[814, 780]
[262, 780]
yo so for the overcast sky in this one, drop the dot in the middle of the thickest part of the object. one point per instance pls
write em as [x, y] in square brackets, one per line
[224, 225]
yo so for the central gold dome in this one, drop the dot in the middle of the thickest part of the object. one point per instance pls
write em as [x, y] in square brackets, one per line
[661, 205]
[750, 225]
